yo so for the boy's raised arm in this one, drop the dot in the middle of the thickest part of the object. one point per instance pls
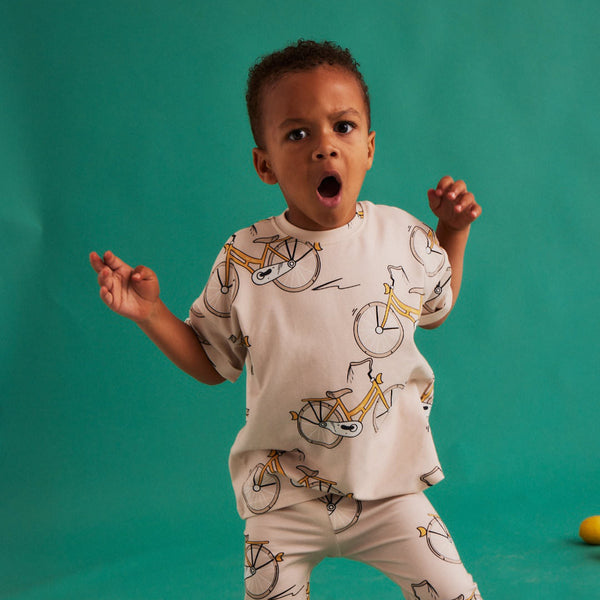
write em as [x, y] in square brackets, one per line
[134, 294]
[456, 209]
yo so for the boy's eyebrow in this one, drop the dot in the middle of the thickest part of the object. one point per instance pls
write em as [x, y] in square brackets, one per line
[346, 112]
[351, 112]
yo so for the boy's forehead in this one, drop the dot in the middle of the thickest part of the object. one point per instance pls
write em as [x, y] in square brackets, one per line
[300, 90]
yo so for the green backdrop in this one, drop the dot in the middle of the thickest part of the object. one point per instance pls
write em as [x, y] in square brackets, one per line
[123, 127]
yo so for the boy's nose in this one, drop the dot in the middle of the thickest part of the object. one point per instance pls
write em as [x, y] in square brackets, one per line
[324, 149]
[321, 154]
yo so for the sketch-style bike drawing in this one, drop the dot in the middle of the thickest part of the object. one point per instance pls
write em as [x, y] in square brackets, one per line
[261, 491]
[291, 264]
[439, 540]
[377, 327]
[261, 569]
[426, 249]
[326, 421]
[343, 511]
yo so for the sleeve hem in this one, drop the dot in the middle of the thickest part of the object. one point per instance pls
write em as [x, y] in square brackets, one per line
[439, 314]
[224, 369]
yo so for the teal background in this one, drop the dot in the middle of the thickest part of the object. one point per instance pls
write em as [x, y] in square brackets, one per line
[123, 127]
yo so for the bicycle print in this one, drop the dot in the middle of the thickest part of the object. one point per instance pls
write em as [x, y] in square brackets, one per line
[426, 249]
[261, 569]
[439, 540]
[291, 264]
[327, 421]
[430, 306]
[378, 330]
[261, 491]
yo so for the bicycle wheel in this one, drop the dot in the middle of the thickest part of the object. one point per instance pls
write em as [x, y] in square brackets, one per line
[307, 264]
[380, 410]
[262, 571]
[312, 420]
[343, 511]
[220, 292]
[374, 338]
[422, 247]
[440, 541]
[260, 494]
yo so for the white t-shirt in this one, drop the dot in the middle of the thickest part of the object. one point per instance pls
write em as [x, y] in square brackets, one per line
[338, 396]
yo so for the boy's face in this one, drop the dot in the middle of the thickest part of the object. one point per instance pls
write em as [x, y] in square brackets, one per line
[318, 147]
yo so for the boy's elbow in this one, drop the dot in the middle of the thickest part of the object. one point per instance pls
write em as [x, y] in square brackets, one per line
[208, 376]
[433, 325]
[213, 379]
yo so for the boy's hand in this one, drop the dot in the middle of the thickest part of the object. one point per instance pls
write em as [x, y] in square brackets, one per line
[453, 205]
[131, 293]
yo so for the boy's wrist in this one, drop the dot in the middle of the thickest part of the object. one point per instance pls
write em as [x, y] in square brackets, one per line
[154, 315]
[448, 230]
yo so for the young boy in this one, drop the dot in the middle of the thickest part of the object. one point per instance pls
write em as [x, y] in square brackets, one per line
[320, 305]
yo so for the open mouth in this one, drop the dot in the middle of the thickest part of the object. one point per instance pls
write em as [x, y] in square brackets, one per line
[329, 187]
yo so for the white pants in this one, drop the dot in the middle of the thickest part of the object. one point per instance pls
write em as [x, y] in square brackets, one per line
[402, 537]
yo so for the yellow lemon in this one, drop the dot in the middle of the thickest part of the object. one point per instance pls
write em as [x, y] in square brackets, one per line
[589, 530]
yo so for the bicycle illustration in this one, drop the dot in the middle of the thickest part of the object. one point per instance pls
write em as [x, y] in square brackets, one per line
[261, 569]
[425, 248]
[439, 540]
[291, 264]
[261, 491]
[326, 421]
[377, 327]
[343, 511]
[429, 306]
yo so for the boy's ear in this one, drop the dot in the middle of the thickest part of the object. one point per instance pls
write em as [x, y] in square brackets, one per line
[263, 166]
[371, 148]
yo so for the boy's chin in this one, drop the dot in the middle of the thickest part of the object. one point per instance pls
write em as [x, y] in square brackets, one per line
[324, 213]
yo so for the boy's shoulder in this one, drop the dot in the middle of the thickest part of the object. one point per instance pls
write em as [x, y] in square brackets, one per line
[260, 228]
[390, 215]
[251, 238]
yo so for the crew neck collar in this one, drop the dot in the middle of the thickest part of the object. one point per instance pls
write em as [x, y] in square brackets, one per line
[329, 235]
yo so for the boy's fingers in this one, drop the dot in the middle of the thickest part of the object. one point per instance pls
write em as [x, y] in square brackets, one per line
[456, 189]
[143, 272]
[102, 276]
[459, 200]
[108, 260]
[469, 203]
[113, 261]
[470, 209]
[96, 262]
[106, 296]
[475, 211]
[105, 278]
[434, 199]
[444, 183]
[464, 201]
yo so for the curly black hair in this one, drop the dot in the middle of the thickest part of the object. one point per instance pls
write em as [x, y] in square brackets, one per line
[301, 56]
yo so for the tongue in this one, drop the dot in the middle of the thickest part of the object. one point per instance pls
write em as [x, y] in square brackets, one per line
[329, 187]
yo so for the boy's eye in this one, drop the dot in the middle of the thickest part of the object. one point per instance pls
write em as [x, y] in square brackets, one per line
[297, 135]
[344, 127]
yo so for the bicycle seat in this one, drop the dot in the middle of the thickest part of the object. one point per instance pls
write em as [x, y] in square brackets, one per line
[266, 240]
[307, 471]
[338, 394]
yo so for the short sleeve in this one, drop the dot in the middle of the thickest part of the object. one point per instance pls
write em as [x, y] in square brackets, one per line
[213, 318]
[437, 301]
